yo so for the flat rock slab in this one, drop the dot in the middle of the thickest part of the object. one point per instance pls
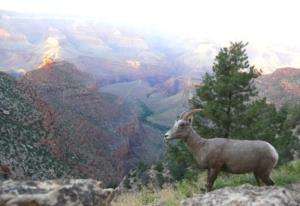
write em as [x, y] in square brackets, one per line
[246, 195]
[54, 193]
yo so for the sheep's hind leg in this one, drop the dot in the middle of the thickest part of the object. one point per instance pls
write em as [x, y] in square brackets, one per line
[268, 181]
[257, 179]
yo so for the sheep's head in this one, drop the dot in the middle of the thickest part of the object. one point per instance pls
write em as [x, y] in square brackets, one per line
[182, 127]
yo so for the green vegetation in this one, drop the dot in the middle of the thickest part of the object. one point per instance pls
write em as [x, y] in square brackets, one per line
[225, 94]
[148, 198]
[141, 168]
[159, 166]
[127, 183]
[172, 195]
[146, 111]
[232, 109]
[23, 136]
[180, 161]
[160, 179]
[283, 176]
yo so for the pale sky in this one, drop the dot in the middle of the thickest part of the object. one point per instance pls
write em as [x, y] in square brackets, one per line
[275, 21]
[266, 24]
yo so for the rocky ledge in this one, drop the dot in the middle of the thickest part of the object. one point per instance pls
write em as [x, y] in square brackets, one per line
[54, 192]
[246, 195]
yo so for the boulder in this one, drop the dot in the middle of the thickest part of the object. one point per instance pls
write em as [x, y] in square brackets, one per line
[54, 192]
[246, 195]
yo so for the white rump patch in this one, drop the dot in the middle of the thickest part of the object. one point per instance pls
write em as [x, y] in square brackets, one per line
[273, 152]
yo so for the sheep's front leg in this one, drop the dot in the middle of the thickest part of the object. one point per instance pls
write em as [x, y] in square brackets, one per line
[207, 180]
[212, 175]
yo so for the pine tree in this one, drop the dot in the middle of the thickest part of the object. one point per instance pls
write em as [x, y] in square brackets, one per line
[224, 93]
[232, 109]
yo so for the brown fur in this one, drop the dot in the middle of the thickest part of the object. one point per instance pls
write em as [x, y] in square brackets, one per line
[233, 156]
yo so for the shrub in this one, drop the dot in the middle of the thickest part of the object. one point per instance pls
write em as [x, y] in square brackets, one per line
[141, 168]
[160, 178]
[180, 162]
[159, 167]
[127, 183]
[148, 198]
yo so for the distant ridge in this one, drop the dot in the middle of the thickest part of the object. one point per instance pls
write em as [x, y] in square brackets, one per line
[280, 87]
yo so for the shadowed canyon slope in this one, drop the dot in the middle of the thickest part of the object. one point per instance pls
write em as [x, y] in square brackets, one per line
[100, 128]
[28, 149]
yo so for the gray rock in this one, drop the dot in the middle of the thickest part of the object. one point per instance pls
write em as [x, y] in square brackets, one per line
[5, 112]
[54, 193]
[246, 195]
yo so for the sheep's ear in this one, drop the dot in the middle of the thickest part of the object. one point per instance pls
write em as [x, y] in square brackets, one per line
[190, 120]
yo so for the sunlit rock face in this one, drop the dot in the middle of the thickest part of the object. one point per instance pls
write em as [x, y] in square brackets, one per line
[246, 195]
[4, 34]
[46, 62]
[71, 192]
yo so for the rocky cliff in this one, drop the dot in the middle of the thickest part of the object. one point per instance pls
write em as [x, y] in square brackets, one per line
[101, 129]
[26, 123]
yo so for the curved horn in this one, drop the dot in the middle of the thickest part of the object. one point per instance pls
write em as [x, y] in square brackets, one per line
[187, 114]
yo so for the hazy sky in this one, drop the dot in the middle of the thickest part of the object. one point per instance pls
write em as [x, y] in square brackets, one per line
[260, 20]
[266, 24]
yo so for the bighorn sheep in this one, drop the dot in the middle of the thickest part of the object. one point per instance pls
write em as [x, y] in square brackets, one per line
[219, 154]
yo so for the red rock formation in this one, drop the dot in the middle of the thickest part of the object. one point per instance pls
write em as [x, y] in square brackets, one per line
[290, 87]
[285, 72]
[93, 125]
[281, 86]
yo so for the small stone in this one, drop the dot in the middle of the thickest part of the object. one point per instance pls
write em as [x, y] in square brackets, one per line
[6, 112]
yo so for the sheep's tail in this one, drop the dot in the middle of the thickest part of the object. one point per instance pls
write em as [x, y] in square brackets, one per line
[274, 154]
